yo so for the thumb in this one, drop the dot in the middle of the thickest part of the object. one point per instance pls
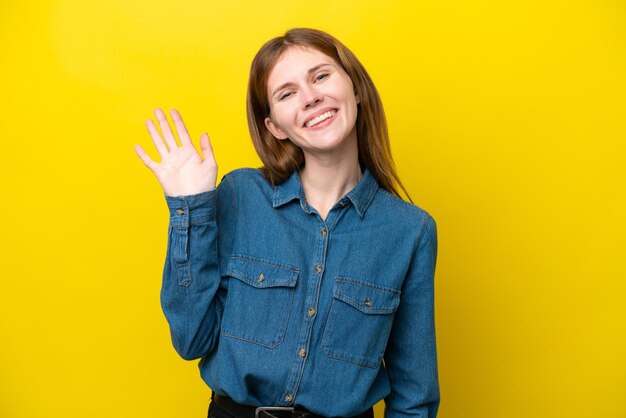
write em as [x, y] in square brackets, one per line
[205, 146]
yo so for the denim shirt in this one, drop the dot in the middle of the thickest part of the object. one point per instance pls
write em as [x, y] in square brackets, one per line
[286, 308]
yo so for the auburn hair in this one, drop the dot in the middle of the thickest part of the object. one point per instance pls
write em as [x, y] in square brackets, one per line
[282, 158]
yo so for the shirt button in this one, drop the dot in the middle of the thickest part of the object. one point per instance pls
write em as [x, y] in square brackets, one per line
[288, 397]
[368, 302]
[318, 269]
[302, 353]
[180, 211]
[311, 311]
[324, 232]
[342, 203]
[261, 277]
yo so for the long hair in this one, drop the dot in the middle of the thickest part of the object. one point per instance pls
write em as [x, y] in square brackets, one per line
[282, 158]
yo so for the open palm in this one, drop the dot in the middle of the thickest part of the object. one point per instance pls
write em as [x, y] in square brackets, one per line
[182, 170]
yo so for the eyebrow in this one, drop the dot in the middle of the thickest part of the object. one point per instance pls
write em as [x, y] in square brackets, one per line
[310, 71]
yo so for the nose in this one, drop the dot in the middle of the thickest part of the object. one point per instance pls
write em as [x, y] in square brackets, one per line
[311, 96]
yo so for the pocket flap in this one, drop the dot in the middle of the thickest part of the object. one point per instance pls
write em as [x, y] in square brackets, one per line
[262, 274]
[366, 297]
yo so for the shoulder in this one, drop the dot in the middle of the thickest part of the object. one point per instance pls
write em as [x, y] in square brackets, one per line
[248, 187]
[244, 174]
[402, 214]
[244, 178]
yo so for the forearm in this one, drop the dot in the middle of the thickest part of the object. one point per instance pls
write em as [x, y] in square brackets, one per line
[190, 295]
[411, 362]
[411, 355]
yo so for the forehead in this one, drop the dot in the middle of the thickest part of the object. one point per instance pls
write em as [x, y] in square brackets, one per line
[294, 63]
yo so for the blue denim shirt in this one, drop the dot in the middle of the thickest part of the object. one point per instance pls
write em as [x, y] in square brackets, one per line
[286, 308]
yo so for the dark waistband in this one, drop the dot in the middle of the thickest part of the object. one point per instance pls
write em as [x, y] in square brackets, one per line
[246, 411]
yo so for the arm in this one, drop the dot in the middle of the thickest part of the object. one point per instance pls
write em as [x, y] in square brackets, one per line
[411, 355]
[190, 295]
[193, 295]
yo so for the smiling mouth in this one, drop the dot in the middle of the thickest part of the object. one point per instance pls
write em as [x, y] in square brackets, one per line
[321, 118]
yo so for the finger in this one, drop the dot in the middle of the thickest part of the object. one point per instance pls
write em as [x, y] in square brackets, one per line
[144, 157]
[181, 129]
[206, 147]
[170, 140]
[156, 138]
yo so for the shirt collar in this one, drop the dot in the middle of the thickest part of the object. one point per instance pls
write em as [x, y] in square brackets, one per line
[361, 196]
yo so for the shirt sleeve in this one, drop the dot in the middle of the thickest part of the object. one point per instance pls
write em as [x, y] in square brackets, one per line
[193, 290]
[411, 355]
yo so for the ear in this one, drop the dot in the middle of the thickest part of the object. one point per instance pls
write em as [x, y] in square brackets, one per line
[275, 129]
[358, 99]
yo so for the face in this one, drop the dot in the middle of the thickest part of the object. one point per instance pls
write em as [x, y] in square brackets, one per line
[312, 102]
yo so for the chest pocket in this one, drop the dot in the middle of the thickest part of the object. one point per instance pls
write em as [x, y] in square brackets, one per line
[359, 322]
[260, 296]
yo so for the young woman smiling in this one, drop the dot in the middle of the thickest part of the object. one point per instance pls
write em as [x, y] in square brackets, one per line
[306, 287]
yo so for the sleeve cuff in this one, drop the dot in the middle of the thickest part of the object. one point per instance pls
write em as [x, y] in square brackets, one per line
[192, 209]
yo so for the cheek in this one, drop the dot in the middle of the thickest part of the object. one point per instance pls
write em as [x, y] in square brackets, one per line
[286, 118]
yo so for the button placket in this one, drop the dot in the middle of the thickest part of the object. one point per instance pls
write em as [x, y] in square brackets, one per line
[318, 267]
[311, 301]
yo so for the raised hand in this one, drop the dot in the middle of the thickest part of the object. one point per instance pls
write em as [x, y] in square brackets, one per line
[182, 170]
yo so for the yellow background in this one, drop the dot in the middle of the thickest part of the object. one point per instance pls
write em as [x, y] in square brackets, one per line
[508, 125]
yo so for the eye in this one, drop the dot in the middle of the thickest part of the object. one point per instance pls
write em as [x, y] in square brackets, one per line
[284, 96]
[321, 76]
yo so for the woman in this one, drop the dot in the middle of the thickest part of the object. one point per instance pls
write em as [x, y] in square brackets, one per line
[307, 284]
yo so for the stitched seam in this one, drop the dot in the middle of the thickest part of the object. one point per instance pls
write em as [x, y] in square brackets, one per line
[244, 278]
[370, 365]
[226, 334]
[326, 348]
[368, 311]
[372, 285]
[396, 198]
[263, 261]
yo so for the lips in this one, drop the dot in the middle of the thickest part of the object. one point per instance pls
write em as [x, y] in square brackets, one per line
[319, 117]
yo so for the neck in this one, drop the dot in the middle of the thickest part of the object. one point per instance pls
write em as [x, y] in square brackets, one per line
[325, 181]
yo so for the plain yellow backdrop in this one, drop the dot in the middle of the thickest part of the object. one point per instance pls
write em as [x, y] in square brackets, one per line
[508, 123]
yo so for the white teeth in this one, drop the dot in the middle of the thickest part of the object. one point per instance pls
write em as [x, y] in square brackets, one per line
[320, 118]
